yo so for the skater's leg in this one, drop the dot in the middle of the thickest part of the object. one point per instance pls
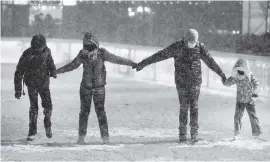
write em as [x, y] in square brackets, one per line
[194, 97]
[33, 111]
[255, 125]
[86, 100]
[239, 111]
[99, 100]
[47, 105]
[184, 106]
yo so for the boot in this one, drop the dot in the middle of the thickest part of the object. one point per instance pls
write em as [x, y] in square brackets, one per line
[30, 137]
[105, 140]
[194, 139]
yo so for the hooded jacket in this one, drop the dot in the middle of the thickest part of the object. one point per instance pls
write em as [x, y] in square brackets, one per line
[94, 70]
[35, 67]
[246, 84]
[187, 62]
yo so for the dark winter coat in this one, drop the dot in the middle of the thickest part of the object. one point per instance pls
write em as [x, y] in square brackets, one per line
[94, 70]
[187, 62]
[34, 68]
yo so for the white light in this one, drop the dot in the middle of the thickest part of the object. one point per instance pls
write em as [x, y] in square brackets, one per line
[177, 2]
[233, 32]
[107, 2]
[140, 9]
[44, 7]
[119, 1]
[209, 1]
[129, 9]
[157, 2]
[132, 2]
[69, 3]
[196, 3]
[190, 3]
[147, 9]
[61, 7]
[94, 2]
[171, 2]
[53, 7]
[238, 32]
[164, 3]
[130, 14]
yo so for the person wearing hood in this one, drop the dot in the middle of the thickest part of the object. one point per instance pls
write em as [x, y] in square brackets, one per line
[187, 54]
[93, 82]
[35, 67]
[247, 89]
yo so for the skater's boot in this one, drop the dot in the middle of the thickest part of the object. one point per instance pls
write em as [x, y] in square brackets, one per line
[105, 140]
[48, 132]
[30, 137]
[194, 139]
[81, 140]
[183, 135]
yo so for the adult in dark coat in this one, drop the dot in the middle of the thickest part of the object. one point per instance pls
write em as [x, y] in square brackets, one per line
[187, 54]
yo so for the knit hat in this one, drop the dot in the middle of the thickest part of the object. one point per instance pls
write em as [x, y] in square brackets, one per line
[38, 42]
[192, 36]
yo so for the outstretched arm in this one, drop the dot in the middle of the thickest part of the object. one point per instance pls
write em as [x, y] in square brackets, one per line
[74, 64]
[160, 55]
[210, 62]
[116, 59]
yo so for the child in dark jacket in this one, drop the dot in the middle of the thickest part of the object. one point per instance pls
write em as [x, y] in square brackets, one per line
[35, 67]
[93, 82]
[247, 90]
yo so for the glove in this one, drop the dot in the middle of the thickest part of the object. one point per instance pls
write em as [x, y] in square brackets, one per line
[223, 78]
[254, 95]
[18, 94]
[134, 66]
[139, 66]
[53, 75]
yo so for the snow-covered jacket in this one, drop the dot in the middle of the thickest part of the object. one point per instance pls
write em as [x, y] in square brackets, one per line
[246, 85]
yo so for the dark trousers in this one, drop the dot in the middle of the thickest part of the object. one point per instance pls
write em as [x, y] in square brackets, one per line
[98, 96]
[46, 103]
[239, 111]
[188, 98]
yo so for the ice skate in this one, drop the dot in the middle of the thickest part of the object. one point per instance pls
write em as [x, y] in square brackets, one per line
[193, 139]
[30, 137]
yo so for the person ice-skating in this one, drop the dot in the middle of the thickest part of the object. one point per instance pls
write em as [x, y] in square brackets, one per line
[93, 82]
[187, 54]
[247, 90]
[35, 67]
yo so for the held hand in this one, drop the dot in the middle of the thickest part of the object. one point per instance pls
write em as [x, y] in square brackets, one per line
[53, 75]
[139, 67]
[134, 66]
[223, 78]
[255, 95]
[18, 94]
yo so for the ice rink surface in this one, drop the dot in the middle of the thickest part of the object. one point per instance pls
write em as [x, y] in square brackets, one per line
[143, 124]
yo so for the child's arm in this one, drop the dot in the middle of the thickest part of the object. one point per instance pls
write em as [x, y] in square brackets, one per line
[230, 81]
[117, 59]
[74, 64]
[255, 84]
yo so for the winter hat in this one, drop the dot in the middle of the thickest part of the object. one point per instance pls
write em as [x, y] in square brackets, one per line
[192, 36]
[90, 37]
[242, 65]
[38, 42]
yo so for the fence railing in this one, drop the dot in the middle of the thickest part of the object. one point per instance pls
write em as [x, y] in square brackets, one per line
[162, 72]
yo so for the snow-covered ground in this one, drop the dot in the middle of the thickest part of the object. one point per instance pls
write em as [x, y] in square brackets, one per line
[143, 124]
